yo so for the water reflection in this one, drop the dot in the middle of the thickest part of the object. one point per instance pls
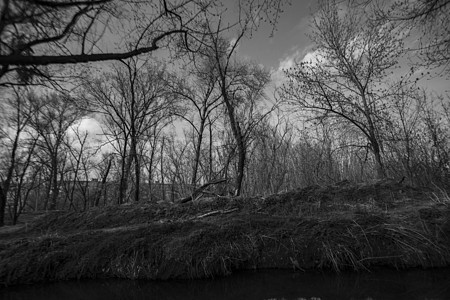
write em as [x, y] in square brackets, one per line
[253, 285]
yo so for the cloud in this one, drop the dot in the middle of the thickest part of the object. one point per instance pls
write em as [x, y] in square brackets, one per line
[278, 76]
[93, 129]
[314, 57]
[290, 61]
[232, 44]
[90, 125]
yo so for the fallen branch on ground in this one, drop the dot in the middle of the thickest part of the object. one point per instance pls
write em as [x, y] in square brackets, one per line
[198, 191]
[216, 212]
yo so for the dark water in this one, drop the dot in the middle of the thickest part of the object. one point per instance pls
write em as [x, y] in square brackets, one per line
[417, 284]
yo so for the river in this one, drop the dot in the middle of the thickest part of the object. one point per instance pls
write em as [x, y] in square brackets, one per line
[268, 284]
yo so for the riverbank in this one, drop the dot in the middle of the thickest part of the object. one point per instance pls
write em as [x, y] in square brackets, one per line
[340, 227]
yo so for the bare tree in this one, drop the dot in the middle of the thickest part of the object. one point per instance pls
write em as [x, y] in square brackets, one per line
[224, 80]
[152, 139]
[347, 77]
[429, 25]
[133, 99]
[24, 183]
[51, 117]
[239, 83]
[200, 92]
[17, 118]
[268, 162]
[38, 33]
[81, 162]
[103, 167]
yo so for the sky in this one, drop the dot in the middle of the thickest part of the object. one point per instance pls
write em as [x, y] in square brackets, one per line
[289, 38]
[289, 43]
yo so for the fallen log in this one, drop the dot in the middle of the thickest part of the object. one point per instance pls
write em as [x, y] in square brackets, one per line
[216, 212]
[200, 190]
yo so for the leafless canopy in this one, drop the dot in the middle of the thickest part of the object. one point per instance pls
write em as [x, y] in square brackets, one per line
[37, 33]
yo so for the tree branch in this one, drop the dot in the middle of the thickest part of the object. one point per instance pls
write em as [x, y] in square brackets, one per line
[22, 60]
[200, 190]
[67, 3]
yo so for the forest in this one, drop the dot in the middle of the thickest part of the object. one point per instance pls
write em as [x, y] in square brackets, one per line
[140, 140]
[175, 107]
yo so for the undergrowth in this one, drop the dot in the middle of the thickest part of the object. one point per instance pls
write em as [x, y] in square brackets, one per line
[336, 228]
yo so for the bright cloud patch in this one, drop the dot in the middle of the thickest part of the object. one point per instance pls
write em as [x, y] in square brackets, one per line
[314, 57]
[286, 63]
[89, 125]
[294, 59]
[232, 45]
[290, 61]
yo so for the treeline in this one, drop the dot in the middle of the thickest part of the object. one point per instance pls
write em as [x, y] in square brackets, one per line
[168, 127]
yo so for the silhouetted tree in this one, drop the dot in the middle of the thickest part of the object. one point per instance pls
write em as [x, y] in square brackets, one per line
[51, 117]
[37, 33]
[347, 75]
[133, 99]
[16, 117]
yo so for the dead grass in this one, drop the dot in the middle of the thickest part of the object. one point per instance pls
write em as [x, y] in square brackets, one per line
[342, 227]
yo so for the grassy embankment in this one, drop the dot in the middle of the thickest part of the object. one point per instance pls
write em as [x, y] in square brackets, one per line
[339, 227]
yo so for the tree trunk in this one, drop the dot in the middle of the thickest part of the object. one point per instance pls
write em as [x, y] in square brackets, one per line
[4, 185]
[240, 143]
[125, 170]
[48, 190]
[372, 136]
[16, 212]
[198, 149]
[123, 184]
[2, 206]
[150, 174]
[54, 184]
[162, 172]
[137, 170]
[379, 167]
[241, 167]
[210, 176]
[126, 174]
[103, 183]
[15, 215]
[137, 173]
